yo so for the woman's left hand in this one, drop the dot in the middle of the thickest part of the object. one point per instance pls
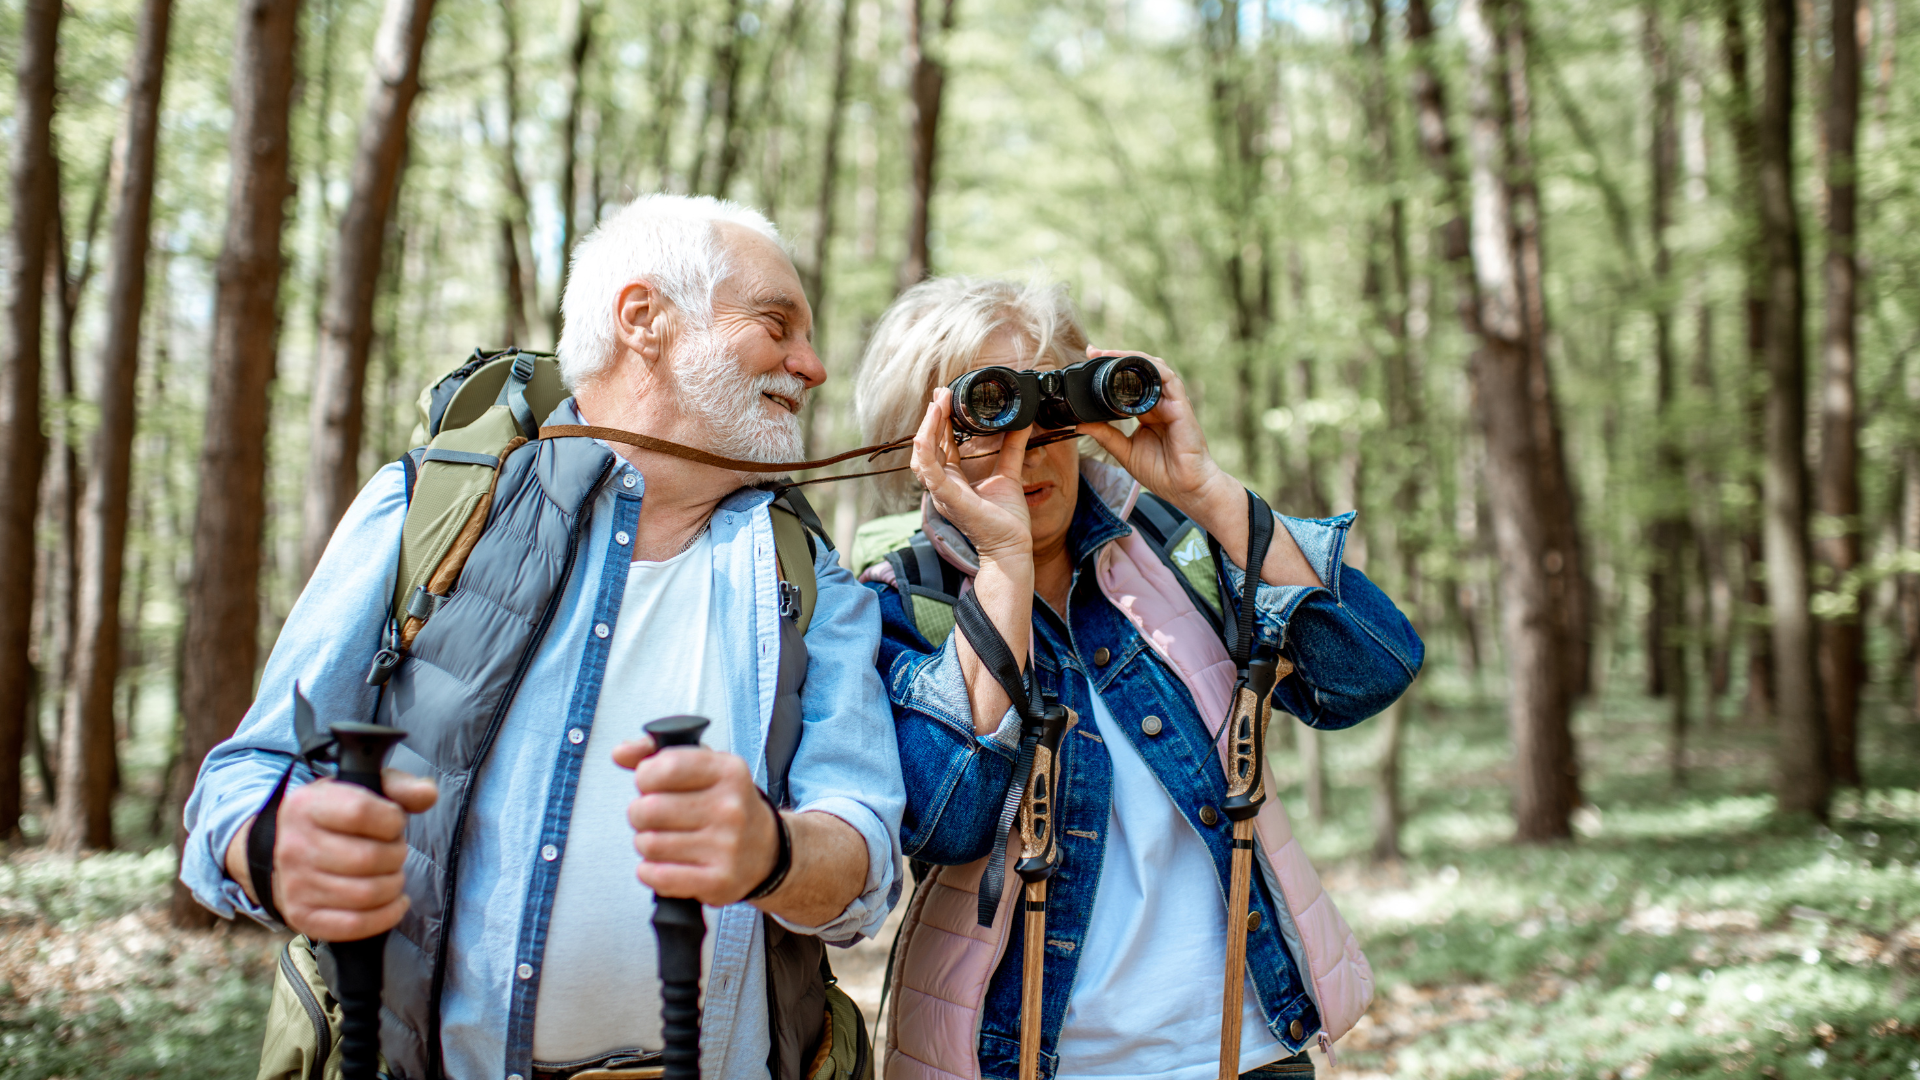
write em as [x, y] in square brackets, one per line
[1167, 452]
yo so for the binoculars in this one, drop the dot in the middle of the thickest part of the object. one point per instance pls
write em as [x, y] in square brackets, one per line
[992, 400]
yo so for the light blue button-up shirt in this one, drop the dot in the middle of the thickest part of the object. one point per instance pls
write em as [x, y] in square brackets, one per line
[847, 763]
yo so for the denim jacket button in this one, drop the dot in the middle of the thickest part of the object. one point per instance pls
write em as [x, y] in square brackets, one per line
[1296, 1030]
[1151, 725]
[1101, 656]
[1253, 923]
[1209, 816]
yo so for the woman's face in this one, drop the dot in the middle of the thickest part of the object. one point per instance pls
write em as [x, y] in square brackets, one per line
[1050, 474]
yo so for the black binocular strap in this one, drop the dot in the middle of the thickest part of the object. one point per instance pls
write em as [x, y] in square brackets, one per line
[992, 649]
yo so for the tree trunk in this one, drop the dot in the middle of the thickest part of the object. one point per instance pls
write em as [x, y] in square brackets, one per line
[1387, 287]
[1842, 662]
[927, 81]
[1804, 775]
[815, 274]
[1668, 532]
[517, 268]
[222, 640]
[340, 375]
[1910, 581]
[1746, 145]
[1240, 100]
[1511, 387]
[83, 816]
[583, 13]
[35, 200]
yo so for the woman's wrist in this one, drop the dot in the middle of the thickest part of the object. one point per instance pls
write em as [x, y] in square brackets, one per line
[1219, 505]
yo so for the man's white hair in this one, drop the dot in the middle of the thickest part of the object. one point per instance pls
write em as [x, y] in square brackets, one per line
[668, 241]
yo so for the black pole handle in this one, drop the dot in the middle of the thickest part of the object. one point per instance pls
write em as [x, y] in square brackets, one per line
[681, 927]
[362, 748]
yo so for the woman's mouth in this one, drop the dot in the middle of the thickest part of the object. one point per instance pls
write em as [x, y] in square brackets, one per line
[1037, 493]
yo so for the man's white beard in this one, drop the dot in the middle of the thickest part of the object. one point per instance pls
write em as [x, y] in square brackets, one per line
[725, 405]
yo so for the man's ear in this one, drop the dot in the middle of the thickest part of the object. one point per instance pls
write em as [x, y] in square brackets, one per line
[641, 321]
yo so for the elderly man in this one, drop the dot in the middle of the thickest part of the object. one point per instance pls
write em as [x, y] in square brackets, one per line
[512, 856]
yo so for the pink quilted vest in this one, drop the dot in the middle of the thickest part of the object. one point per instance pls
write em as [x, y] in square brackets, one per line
[945, 958]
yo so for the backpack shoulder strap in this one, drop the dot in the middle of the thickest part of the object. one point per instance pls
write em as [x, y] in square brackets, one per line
[793, 548]
[929, 586]
[1182, 546]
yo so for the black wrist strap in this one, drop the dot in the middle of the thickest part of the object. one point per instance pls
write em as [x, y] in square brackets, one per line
[782, 862]
[260, 847]
[1259, 540]
[992, 649]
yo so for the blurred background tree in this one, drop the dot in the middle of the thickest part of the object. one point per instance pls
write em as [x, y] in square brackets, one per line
[1599, 313]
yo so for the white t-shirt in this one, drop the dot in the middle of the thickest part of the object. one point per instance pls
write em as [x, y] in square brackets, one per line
[1146, 998]
[599, 982]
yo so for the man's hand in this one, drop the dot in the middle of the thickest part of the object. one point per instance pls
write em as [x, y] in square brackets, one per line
[699, 823]
[337, 855]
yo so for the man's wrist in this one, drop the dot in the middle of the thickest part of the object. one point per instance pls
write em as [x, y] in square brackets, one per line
[782, 859]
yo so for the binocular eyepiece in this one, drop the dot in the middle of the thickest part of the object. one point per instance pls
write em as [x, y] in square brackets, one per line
[991, 400]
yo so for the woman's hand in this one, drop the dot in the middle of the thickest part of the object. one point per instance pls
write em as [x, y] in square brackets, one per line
[1168, 453]
[993, 512]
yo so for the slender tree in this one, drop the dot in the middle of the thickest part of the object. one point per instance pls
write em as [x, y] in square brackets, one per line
[1240, 92]
[1742, 124]
[517, 269]
[1668, 531]
[581, 15]
[340, 374]
[1511, 390]
[222, 637]
[83, 815]
[1804, 773]
[815, 273]
[1386, 287]
[927, 83]
[1842, 663]
[33, 192]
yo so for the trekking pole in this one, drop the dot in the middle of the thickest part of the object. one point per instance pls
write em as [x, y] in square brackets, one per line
[680, 926]
[360, 750]
[1246, 791]
[1039, 857]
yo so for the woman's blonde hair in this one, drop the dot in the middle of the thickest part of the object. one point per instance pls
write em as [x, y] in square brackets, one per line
[935, 331]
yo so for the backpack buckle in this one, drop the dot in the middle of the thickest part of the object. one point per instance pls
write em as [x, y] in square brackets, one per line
[789, 601]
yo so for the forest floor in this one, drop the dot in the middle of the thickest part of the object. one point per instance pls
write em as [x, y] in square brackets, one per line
[1685, 932]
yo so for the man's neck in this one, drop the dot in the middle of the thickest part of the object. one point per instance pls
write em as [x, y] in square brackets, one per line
[680, 495]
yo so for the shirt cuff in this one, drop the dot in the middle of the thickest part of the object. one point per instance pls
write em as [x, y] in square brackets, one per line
[868, 912]
[214, 822]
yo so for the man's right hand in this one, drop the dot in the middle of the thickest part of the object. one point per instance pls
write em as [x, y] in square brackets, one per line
[338, 855]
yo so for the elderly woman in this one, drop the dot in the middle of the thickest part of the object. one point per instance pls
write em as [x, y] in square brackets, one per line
[1093, 584]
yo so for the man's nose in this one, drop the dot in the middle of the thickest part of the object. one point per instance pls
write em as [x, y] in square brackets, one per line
[803, 362]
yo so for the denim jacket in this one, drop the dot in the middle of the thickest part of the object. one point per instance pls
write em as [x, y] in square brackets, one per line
[1353, 651]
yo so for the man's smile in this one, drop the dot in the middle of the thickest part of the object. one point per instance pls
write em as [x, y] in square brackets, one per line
[782, 400]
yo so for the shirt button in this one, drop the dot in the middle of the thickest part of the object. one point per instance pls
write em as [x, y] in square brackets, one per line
[576, 736]
[600, 630]
[1101, 656]
[621, 538]
[1298, 1032]
[629, 480]
[515, 1076]
[1209, 816]
[551, 853]
[1253, 923]
[1151, 725]
[525, 971]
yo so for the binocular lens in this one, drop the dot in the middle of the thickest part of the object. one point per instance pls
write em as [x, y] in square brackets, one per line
[985, 401]
[1129, 386]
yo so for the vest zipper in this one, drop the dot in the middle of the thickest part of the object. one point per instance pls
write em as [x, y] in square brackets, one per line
[434, 1069]
[322, 1031]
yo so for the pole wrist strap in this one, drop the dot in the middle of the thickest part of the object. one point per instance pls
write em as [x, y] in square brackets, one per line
[993, 651]
[260, 847]
[782, 862]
